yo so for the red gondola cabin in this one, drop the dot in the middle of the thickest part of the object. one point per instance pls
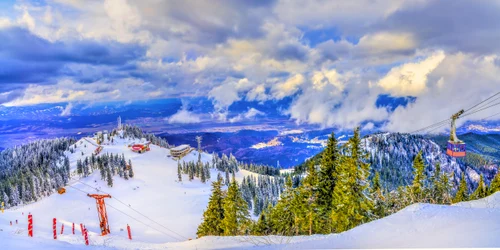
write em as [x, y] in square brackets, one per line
[455, 149]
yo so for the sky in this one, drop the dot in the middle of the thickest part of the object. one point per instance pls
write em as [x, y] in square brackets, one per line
[402, 64]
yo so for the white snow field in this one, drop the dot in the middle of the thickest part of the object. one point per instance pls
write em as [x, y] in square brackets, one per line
[177, 209]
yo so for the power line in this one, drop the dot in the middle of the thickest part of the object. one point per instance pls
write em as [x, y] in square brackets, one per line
[145, 216]
[127, 214]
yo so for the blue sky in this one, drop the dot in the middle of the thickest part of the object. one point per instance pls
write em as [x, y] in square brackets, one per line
[403, 64]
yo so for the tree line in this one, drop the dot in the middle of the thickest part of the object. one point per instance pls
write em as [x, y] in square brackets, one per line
[108, 165]
[34, 170]
[334, 196]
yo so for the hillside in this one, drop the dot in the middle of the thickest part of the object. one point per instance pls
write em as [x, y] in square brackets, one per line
[175, 207]
[392, 155]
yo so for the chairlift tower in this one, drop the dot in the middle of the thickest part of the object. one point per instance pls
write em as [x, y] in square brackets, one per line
[198, 139]
[119, 122]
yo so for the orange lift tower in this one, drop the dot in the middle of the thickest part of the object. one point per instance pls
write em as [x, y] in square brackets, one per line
[101, 211]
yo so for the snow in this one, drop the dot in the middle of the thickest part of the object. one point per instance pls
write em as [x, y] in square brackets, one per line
[272, 143]
[154, 191]
[178, 207]
[181, 147]
[291, 132]
[465, 225]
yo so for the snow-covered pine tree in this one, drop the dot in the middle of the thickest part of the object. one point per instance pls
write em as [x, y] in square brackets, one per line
[179, 174]
[109, 177]
[131, 170]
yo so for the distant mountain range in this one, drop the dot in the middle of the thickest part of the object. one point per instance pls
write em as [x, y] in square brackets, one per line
[392, 154]
[271, 147]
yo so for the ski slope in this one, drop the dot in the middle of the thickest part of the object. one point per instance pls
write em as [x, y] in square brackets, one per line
[177, 208]
[155, 192]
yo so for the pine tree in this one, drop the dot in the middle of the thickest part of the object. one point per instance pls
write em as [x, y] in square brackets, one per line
[79, 167]
[351, 204]
[480, 191]
[282, 217]
[236, 216]
[463, 192]
[263, 225]
[214, 214]
[437, 193]
[109, 177]
[202, 172]
[131, 170]
[329, 162]
[495, 184]
[418, 178]
[379, 199]
[446, 187]
[179, 175]
[310, 185]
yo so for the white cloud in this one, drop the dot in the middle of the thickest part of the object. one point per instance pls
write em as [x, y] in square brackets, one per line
[458, 82]
[227, 93]
[288, 87]
[250, 114]
[184, 116]
[386, 42]
[344, 102]
[410, 79]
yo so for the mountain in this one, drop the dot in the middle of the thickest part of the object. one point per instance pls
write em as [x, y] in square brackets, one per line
[285, 148]
[392, 154]
[158, 207]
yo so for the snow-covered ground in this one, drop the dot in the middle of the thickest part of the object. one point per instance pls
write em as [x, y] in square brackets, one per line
[177, 210]
[176, 207]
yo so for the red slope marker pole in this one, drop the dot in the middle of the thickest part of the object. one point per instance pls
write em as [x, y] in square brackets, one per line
[30, 225]
[129, 232]
[54, 228]
[73, 228]
[62, 228]
[81, 228]
[86, 235]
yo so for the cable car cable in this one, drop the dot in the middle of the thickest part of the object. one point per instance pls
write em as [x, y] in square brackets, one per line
[430, 126]
[498, 103]
[469, 109]
[478, 107]
[113, 197]
[484, 105]
[129, 215]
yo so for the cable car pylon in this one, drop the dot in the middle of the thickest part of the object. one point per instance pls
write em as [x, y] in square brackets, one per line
[101, 211]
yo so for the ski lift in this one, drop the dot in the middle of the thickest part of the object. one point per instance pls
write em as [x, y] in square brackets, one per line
[455, 148]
